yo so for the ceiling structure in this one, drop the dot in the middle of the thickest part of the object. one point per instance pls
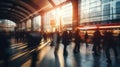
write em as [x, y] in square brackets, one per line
[21, 10]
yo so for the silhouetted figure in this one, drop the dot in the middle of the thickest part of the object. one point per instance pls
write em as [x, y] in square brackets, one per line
[4, 47]
[56, 40]
[86, 38]
[17, 36]
[45, 36]
[71, 35]
[29, 39]
[119, 41]
[53, 38]
[96, 42]
[108, 42]
[23, 36]
[116, 42]
[77, 41]
[65, 41]
[33, 39]
[20, 36]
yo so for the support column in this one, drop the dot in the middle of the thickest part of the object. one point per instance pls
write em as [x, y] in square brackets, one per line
[17, 27]
[42, 23]
[32, 24]
[75, 20]
[25, 25]
[20, 26]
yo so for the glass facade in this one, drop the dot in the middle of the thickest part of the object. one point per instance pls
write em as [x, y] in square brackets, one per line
[99, 11]
[37, 22]
[7, 24]
[28, 23]
[58, 17]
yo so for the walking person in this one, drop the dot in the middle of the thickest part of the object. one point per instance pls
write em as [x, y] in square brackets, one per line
[96, 42]
[119, 41]
[65, 41]
[56, 40]
[33, 39]
[4, 47]
[86, 38]
[77, 41]
[108, 42]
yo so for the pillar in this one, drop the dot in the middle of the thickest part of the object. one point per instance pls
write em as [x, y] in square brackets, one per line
[75, 20]
[42, 23]
[25, 25]
[32, 24]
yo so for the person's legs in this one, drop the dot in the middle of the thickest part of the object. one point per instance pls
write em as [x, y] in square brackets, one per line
[75, 48]
[78, 47]
[57, 47]
[95, 48]
[107, 52]
[65, 50]
[98, 48]
[115, 51]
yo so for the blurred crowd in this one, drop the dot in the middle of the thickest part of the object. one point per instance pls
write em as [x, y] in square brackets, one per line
[100, 40]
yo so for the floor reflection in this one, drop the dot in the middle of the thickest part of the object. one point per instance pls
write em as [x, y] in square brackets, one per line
[57, 63]
[65, 61]
[34, 58]
[96, 62]
[77, 61]
[81, 59]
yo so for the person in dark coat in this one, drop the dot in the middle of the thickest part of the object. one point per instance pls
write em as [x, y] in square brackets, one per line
[108, 42]
[119, 41]
[86, 38]
[57, 40]
[65, 41]
[96, 42]
[4, 47]
[33, 39]
[77, 41]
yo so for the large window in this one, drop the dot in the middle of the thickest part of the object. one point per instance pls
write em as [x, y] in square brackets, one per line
[90, 11]
[28, 23]
[7, 24]
[93, 11]
[37, 22]
[118, 10]
[67, 14]
[58, 17]
[106, 1]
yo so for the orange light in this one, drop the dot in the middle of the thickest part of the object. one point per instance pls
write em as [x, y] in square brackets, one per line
[110, 27]
[100, 27]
